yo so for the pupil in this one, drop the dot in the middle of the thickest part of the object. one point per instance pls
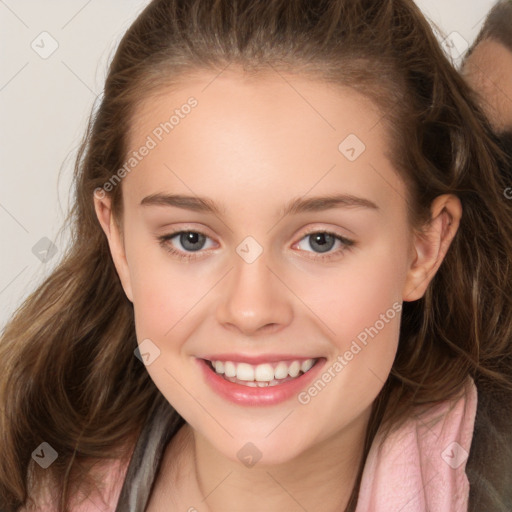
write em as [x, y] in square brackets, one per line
[189, 240]
[323, 240]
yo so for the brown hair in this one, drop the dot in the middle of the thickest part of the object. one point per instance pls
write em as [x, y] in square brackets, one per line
[497, 26]
[69, 375]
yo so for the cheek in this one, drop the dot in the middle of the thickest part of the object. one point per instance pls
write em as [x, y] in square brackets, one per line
[362, 310]
[166, 301]
[361, 307]
[372, 290]
[354, 295]
[164, 290]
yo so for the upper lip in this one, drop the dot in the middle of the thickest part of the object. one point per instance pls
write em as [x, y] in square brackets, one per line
[254, 360]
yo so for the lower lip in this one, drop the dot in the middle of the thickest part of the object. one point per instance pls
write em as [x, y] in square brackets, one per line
[270, 395]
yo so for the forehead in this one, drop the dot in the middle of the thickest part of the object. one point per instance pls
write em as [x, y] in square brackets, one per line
[275, 97]
[272, 134]
[489, 71]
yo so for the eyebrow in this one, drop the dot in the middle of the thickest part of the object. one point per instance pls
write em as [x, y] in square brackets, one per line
[295, 206]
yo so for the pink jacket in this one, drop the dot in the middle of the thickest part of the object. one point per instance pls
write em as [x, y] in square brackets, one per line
[421, 466]
[418, 467]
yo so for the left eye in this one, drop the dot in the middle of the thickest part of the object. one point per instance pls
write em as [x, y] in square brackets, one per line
[322, 241]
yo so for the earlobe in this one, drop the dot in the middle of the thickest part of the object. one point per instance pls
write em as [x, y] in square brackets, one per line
[115, 242]
[431, 245]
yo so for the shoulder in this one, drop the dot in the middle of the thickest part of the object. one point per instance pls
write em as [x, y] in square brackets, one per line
[109, 477]
[420, 463]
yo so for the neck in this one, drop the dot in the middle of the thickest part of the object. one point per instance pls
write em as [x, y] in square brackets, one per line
[322, 476]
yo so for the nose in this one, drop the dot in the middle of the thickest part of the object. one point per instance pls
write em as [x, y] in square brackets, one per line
[254, 300]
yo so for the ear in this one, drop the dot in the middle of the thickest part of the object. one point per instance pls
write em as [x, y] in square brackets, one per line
[431, 244]
[102, 205]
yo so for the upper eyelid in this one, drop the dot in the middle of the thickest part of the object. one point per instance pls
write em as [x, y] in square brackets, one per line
[326, 230]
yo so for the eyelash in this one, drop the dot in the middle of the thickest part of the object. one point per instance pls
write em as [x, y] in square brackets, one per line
[164, 239]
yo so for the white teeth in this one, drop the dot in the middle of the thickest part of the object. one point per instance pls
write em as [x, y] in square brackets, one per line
[261, 375]
[281, 371]
[294, 369]
[264, 373]
[306, 365]
[230, 369]
[244, 371]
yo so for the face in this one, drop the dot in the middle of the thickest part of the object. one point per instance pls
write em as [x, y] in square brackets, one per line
[260, 278]
[488, 71]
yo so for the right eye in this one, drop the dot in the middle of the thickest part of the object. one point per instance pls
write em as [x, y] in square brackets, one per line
[192, 241]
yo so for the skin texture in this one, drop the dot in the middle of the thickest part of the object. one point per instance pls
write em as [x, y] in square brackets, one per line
[252, 145]
[488, 70]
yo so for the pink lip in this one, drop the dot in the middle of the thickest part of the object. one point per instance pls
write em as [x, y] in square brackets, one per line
[245, 395]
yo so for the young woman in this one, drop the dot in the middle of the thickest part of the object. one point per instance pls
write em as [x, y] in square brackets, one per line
[289, 284]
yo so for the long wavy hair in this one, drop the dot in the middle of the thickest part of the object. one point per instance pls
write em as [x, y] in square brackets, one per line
[69, 376]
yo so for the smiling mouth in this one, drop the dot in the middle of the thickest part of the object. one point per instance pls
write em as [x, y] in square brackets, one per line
[261, 375]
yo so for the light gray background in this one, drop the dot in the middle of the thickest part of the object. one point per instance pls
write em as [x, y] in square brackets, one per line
[45, 102]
